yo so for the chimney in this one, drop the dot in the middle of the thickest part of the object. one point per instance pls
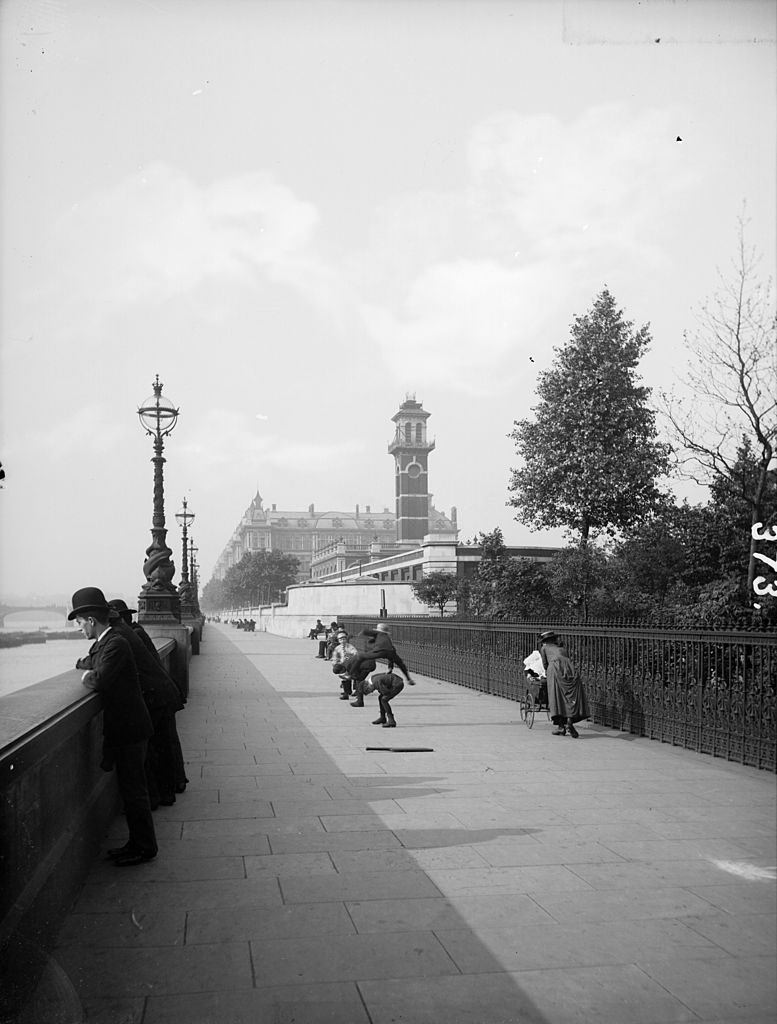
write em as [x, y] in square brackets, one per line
[367, 508]
[311, 509]
[273, 508]
[357, 511]
[453, 515]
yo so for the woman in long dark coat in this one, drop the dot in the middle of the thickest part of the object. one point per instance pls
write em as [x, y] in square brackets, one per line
[566, 694]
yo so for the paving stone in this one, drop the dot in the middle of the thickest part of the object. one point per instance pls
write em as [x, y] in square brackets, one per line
[660, 874]
[315, 841]
[255, 807]
[524, 945]
[113, 1011]
[286, 864]
[395, 822]
[298, 1004]
[124, 971]
[250, 826]
[169, 866]
[396, 915]
[678, 849]
[590, 995]
[739, 935]
[148, 896]
[455, 999]
[493, 881]
[740, 897]
[711, 988]
[212, 772]
[304, 961]
[128, 928]
[232, 845]
[378, 885]
[621, 904]
[264, 923]
[505, 852]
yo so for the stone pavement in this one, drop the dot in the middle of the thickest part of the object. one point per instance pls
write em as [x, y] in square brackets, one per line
[509, 877]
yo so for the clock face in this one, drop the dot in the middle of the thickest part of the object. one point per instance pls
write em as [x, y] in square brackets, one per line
[414, 470]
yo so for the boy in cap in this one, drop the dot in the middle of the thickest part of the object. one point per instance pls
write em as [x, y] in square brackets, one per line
[376, 645]
[340, 656]
[126, 721]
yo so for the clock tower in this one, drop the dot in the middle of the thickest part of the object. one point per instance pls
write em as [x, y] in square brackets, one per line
[410, 449]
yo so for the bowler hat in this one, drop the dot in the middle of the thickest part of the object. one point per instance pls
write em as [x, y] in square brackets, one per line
[88, 599]
[120, 607]
[548, 636]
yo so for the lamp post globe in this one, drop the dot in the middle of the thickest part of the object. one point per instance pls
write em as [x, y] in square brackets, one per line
[158, 600]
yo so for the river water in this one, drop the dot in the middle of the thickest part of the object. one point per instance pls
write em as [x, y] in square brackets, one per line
[31, 663]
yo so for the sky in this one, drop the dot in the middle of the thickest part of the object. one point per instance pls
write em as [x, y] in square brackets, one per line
[297, 213]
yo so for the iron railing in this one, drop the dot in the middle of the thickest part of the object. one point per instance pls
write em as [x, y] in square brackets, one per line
[710, 691]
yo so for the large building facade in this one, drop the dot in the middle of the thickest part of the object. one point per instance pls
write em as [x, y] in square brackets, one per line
[364, 532]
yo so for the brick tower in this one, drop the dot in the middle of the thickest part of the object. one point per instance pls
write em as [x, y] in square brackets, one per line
[410, 449]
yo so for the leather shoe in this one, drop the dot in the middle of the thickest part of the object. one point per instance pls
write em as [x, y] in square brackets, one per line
[389, 725]
[559, 732]
[573, 732]
[379, 721]
[120, 851]
[357, 703]
[131, 859]
[343, 696]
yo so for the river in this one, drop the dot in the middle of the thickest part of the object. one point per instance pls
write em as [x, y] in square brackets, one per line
[30, 663]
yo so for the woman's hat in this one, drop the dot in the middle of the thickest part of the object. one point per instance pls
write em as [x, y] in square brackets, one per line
[88, 599]
[547, 636]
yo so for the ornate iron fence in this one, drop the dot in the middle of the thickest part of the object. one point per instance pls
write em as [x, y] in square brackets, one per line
[715, 692]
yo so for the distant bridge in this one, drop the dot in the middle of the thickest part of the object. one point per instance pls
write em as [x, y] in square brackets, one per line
[7, 609]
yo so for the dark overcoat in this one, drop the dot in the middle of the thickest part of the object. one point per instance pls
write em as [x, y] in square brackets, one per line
[125, 715]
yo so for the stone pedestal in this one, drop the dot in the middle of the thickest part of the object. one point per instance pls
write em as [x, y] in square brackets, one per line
[181, 633]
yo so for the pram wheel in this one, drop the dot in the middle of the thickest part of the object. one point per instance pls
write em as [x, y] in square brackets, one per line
[531, 707]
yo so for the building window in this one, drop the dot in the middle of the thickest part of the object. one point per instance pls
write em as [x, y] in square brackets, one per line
[419, 433]
[408, 434]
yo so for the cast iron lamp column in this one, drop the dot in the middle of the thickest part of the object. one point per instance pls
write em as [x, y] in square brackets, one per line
[185, 518]
[195, 585]
[158, 600]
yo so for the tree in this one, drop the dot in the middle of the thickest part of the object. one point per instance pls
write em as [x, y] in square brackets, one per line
[259, 576]
[212, 599]
[591, 457]
[732, 383]
[438, 588]
[575, 573]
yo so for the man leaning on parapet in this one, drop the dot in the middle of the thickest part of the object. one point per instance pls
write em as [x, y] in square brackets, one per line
[126, 721]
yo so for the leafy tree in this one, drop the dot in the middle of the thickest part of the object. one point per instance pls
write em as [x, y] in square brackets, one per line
[732, 384]
[575, 574]
[591, 457]
[212, 597]
[438, 589]
[259, 576]
[506, 587]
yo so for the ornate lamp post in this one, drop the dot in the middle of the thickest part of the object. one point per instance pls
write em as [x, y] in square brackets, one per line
[185, 518]
[195, 577]
[158, 600]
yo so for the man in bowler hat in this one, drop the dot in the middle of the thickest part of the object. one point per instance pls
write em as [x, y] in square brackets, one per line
[126, 721]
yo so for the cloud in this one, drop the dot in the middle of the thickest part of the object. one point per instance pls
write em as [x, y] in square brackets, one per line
[157, 235]
[483, 278]
[223, 438]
